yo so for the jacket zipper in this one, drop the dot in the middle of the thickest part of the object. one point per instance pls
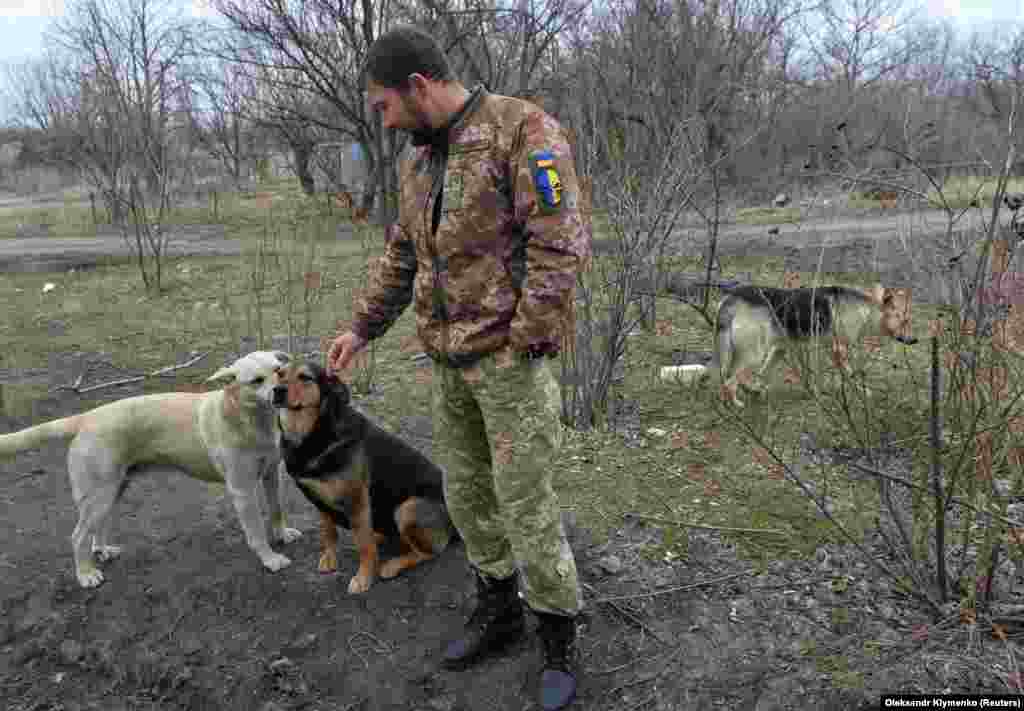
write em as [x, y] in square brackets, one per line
[439, 305]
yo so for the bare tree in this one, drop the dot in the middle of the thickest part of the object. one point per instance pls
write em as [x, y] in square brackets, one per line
[222, 115]
[309, 55]
[860, 42]
[858, 48]
[511, 48]
[663, 100]
[64, 100]
[109, 98]
[317, 48]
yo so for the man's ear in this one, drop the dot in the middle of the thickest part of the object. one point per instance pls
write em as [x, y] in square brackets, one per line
[418, 82]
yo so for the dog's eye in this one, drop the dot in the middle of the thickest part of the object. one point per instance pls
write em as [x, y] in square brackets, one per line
[258, 380]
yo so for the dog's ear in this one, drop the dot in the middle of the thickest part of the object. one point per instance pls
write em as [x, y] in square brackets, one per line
[228, 371]
[878, 294]
[282, 357]
[334, 397]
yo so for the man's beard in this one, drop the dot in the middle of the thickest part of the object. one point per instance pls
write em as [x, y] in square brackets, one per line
[422, 133]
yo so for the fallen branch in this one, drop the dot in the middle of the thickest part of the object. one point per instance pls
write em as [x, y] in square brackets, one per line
[31, 475]
[680, 588]
[380, 647]
[628, 615]
[76, 388]
[924, 489]
[770, 531]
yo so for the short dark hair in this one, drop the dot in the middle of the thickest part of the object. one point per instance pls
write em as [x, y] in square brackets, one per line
[402, 51]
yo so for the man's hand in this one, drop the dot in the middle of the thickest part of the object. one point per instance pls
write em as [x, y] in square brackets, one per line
[343, 350]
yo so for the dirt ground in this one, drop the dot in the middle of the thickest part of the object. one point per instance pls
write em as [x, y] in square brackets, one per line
[189, 619]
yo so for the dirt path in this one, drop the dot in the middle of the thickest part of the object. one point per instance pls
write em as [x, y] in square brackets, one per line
[30, 251]
[188, 619]
[45, 254]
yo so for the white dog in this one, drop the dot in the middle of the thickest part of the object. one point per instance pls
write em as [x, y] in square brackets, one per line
[226, 436]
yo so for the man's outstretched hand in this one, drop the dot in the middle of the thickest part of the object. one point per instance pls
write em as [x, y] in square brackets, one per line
[344, 348]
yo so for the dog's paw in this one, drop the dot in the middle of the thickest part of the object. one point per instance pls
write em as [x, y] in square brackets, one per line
[736, 402]
[275, 561]
[89, 576]
[106, 553]
[287, 535]
[359, 584]
[391, 568]
[328, 563]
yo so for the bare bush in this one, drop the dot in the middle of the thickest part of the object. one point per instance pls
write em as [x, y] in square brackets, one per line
[653, 148]
[107, 101]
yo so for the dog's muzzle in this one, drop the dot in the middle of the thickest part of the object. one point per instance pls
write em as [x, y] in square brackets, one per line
[280, 396]
[906, 340]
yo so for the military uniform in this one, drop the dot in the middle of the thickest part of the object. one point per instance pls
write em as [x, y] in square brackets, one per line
[488, 244]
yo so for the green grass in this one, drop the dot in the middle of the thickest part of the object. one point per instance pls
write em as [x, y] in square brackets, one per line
[734, 490]
[208, 303]
[71, 219]
[959, 192]
[240, 213]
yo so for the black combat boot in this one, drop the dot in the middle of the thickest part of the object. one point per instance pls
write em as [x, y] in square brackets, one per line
[496, 622]
[558, 679]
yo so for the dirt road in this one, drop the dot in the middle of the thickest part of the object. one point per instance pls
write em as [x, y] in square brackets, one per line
[29, 249]
[48, 254]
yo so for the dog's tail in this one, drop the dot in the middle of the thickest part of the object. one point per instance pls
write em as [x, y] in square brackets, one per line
[32, 437]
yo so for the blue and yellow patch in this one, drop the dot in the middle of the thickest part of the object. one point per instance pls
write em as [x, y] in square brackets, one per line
[546, 180]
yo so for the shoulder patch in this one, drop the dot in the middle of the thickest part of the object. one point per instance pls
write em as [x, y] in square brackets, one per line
[546, 180]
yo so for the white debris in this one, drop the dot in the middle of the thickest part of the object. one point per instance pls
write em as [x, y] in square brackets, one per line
[681, 373]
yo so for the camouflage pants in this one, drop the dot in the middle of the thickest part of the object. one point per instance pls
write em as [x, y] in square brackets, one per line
[496, 429]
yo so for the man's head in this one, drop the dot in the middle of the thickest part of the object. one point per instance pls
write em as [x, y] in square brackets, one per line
[409, 80]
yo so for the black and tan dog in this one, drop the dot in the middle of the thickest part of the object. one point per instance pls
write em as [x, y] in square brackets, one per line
[756, 324]
[359, 477]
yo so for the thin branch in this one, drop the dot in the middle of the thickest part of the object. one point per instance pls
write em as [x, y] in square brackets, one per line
[163, 371]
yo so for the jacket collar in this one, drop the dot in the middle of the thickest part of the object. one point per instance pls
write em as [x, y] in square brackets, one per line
[438, 139]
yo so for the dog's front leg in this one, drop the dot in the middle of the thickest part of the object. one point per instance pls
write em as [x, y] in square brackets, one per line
[279, 531]
[247, 505]
[730, 392]
[328, 544]
[841, 355]
[366, 542]
[841, 359]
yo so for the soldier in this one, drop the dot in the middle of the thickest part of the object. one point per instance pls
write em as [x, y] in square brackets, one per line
[488, 244]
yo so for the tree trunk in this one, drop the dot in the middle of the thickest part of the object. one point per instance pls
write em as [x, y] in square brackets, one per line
[302, 153]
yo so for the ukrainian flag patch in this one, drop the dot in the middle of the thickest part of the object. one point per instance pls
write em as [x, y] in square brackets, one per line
[546, 180]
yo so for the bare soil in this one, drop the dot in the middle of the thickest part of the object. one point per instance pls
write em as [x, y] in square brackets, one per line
[189, 619]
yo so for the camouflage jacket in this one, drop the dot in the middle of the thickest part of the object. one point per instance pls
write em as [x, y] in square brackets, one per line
[500, 268]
